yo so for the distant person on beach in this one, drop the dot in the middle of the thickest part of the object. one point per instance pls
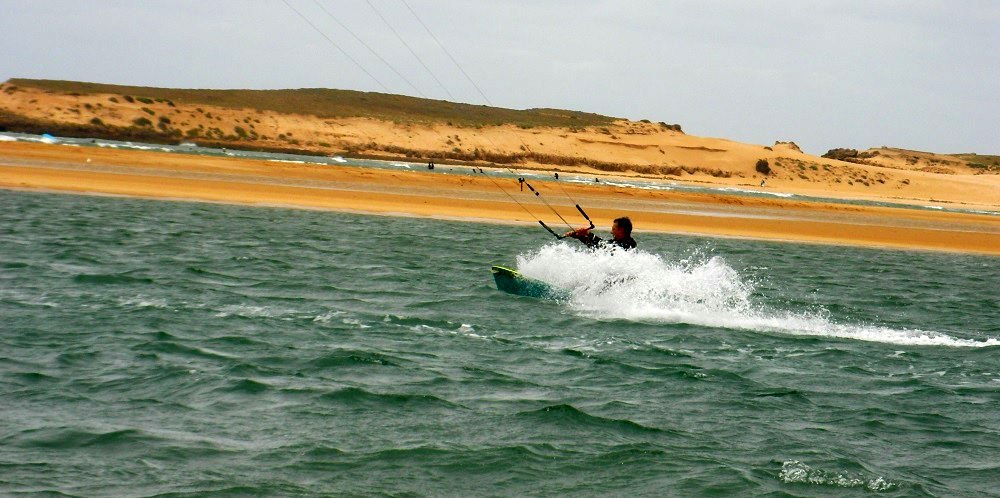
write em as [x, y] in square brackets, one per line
[621, 233]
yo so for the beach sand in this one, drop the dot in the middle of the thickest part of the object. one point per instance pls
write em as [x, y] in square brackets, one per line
[161, 175]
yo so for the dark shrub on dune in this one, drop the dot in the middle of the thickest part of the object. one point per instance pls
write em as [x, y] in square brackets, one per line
[763, 167]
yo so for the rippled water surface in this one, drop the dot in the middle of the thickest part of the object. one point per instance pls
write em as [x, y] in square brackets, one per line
[180, 349]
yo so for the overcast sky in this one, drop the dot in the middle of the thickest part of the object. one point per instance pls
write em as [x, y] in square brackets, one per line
[919, 74]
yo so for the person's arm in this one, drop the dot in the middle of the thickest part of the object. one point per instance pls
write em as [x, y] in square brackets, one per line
[584, 235]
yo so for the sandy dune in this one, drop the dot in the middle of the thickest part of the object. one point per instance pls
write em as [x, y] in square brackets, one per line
[622, 148]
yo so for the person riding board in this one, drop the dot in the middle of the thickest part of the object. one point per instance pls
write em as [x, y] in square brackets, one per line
[621, 233]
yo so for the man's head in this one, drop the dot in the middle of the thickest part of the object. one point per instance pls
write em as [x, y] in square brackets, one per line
[621, 228]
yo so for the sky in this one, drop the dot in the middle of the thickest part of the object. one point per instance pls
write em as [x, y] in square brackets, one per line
[916, 74]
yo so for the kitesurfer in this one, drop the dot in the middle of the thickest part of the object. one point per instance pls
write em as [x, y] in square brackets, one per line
[621, 233]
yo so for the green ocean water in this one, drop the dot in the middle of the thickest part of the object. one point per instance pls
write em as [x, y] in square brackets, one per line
[182, 349]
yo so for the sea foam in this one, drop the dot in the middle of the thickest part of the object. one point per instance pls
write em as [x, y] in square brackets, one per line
[699, 290]
[795, 472]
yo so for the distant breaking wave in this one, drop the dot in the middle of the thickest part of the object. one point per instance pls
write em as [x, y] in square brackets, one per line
[795, 472]
[644, 287]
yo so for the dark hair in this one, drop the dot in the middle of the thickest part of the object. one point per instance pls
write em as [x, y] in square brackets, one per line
[625, 224]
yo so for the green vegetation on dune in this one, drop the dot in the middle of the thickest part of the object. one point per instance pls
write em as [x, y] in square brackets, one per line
[980, 161]
[327, 103]
[141, 132]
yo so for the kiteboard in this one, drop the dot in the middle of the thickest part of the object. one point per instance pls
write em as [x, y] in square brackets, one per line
[512, 282]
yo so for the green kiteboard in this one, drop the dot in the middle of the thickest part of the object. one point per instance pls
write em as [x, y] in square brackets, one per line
[514, 283]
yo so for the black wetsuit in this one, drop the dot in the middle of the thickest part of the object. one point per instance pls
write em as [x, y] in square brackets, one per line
[593, 241]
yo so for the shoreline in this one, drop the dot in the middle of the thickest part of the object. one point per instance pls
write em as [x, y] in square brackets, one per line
[736, 186]
[169, 176]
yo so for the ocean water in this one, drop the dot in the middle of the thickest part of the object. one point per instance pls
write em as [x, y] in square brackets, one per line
[179, 349]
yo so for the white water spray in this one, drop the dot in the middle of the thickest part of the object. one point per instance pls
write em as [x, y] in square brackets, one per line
[706, 291]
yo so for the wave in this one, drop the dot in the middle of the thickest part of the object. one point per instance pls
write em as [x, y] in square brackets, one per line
[69, 438]
[322, 453]
[251, 312]
[240, 341]
[496, 380]
[346, 357]
[796, 472]
[356, 395]
[219, 277]
[573, 417]
[756, 192]
[418, 324]
[111, 279]
[23, 297]
[142, 302]
[681, 371]
[168, 344]
[703, 291]
[247, 386]
[31, 377]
